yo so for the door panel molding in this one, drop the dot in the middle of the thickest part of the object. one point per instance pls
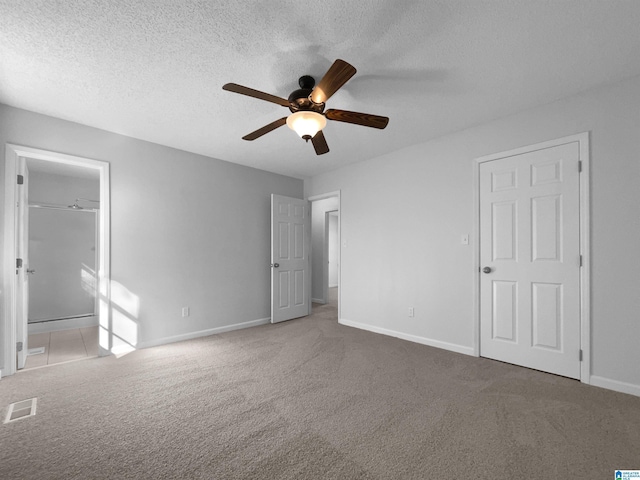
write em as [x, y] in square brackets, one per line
[548, 175]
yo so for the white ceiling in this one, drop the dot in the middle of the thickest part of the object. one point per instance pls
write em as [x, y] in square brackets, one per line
[154, 70]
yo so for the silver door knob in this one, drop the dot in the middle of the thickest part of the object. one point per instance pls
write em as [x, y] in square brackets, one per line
[30, 271]
[486, 269]
[275, 265]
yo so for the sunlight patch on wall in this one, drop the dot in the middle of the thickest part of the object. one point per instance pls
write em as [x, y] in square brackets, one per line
[125, 299]
[120, 347]
[125, 328]
[118, 319]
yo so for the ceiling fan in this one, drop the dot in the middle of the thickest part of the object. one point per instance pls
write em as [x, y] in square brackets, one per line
[307, 104]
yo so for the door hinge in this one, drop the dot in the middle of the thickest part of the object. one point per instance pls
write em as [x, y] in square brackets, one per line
[19, 347]
[20, 180]
[580, 355]
[579, 166]
[580, 260]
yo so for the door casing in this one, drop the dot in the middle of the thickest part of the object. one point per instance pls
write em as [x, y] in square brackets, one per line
[22, 251]
[585, 298]
[12, 156]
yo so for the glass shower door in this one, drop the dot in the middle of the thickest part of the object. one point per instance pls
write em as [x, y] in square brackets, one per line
[62, 256]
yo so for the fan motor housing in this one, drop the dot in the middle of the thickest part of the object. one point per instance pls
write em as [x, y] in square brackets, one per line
[299, 99]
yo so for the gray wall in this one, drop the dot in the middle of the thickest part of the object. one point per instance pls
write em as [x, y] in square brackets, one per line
[186, 230]
[415, 204]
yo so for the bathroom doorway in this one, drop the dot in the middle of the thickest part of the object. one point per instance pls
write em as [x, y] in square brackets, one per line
[62, 245]
[57, 233]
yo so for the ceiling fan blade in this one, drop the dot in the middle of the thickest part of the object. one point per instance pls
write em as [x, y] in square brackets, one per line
[250, 92]
[364, 119]
[320, 143]
[336, 77]
[266, 129]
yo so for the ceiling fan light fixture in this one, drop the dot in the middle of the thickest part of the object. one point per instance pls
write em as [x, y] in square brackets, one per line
[308, 106]
[306, 124]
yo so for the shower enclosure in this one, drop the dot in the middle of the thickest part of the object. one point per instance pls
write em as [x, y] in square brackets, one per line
[62, 262]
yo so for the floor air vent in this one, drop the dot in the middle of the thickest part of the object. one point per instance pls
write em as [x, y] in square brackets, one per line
[23, 409]
[35, 351]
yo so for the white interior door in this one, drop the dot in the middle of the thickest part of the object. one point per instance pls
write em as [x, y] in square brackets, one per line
[290, 259]
[530, 256]
[22, 250]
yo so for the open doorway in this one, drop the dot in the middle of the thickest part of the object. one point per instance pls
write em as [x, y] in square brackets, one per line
[62, 244]
[325, 252]
[56, 254]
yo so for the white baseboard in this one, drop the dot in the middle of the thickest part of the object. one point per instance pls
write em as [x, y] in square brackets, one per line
[595, 380]
[333, 286]
[65, 324]
[616, 385]
[318, 300]
[411, 338]
[202, 333]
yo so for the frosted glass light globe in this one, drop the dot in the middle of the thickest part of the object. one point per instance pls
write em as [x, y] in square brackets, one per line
[306, 124]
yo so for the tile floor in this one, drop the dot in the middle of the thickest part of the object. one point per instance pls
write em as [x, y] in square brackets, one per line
[63, 346]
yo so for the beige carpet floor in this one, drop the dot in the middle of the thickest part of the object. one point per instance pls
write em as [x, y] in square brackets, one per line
[311, 399]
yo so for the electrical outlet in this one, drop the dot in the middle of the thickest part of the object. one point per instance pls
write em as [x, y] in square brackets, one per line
[411, 312]
[185, 311]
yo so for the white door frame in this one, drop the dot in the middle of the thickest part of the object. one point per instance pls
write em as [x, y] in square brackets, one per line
[585, 252]
[315, 198]
[23, 281]
[12, 156]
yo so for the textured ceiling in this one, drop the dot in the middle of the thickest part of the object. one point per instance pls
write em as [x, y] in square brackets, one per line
[154, 70]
